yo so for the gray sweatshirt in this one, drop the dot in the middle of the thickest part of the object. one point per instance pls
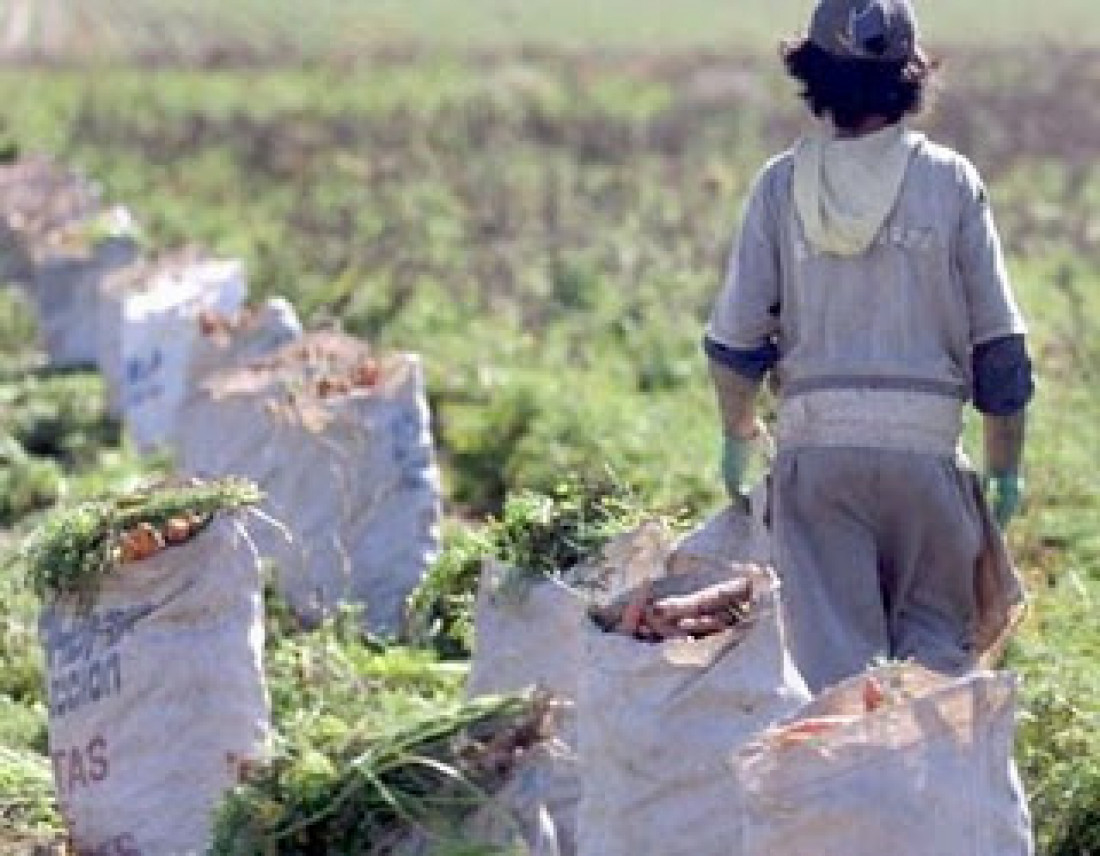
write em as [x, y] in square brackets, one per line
[874, 348]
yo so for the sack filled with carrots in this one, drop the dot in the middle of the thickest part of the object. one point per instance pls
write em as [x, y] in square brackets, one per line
[862, 769]
[152, 628]
[677, 673]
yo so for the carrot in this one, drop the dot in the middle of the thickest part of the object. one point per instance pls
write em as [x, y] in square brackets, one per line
[140, 543]
[366, 374]
[812, 727]
[177, 530]
[703, 625]
[714, 600]
[873, 695]
[634, 610]
[660, 626]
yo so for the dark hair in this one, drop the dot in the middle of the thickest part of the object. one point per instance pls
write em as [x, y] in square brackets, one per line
[853, 90]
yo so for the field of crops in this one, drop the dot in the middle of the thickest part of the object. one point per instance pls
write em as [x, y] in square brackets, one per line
[277, 28]
[547, 227]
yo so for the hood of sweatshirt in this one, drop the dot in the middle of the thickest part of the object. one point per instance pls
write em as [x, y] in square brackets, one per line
[845, 188]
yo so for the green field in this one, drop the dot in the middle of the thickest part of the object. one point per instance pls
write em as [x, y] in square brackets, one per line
[548, 228]
[275, 28]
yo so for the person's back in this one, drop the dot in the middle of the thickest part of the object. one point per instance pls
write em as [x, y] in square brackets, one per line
[868, 278]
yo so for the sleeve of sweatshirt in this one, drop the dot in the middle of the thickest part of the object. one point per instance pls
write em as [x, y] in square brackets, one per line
[992, 309]
[745, 318]
[1003, 381]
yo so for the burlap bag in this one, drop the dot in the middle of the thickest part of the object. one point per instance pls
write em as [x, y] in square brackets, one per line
[147, 333]
[657, 724]
[351, 472]
[930, 772]
[157, 695]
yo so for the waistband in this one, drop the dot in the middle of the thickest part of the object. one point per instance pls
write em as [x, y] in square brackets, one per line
[901, 420]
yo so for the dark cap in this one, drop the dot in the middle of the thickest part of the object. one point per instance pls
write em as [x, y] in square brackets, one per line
[882, 30]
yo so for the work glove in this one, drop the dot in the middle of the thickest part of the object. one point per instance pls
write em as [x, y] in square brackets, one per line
[736, 456]
[1004, 491]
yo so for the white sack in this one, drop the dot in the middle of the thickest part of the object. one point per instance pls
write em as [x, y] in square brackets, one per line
[535, 812]
[40, 203]
[65, 294]
[353, 478]
[925, 775]
[267, 328]
[532, 634]
[157, 696]
[58, 242]
[528, 634]
[148, 331]
[657, 724]
[525, 637]
[730, 535]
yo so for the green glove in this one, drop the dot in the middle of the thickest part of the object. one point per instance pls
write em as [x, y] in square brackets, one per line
[1005, 492]
[736, 456]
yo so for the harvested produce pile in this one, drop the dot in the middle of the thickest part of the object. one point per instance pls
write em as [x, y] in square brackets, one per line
[321, 366]
[711, 610]
[140, 274]
[234, 338]
[343, 449]
[368, 795]
[221, 327]
[538, 536]
[875, 694]
[74, 550]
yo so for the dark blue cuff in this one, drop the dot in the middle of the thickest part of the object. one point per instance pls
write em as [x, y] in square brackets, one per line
[750, 363]
[1003, 382]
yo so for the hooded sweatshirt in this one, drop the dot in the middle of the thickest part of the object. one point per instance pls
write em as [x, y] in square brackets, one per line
[871, 270]
[845, 188]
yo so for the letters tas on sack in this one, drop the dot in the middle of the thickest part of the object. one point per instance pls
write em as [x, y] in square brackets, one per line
[898, 760]
[156, 695]
[341, 445]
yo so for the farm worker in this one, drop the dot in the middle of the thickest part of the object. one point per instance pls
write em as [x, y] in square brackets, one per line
[868, 281]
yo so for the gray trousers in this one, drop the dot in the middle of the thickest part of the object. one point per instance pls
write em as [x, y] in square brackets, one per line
[877, 553]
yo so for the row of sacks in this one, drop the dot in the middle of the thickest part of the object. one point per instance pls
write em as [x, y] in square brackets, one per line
[99, 301]
[701, 737]
[337, 437]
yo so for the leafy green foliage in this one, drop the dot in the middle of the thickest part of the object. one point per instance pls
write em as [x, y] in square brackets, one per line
[538, 535]
[441, 608]
[27, 483]
[53, 427]
[26, 793]
[1058, 740]
[544, 535]
[17, 327]
[372, 742]
[74, 549]
[61, 416]
[375, 788]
